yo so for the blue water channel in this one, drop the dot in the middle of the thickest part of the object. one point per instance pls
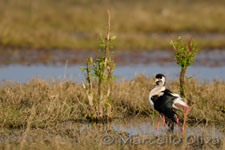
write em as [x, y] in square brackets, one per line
[21, 73]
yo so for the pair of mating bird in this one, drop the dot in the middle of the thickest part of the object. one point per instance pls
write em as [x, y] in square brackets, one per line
[164, 101]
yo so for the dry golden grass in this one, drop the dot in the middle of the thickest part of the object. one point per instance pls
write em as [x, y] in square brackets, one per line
[41, 114]
[76, 24]
[58, 101]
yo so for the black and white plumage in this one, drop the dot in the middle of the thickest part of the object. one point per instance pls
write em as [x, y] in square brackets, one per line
[164, 101]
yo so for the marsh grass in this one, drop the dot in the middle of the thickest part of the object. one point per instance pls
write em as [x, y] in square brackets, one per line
[74, 23]
[59, 101]
[51, 114]
[71, 136]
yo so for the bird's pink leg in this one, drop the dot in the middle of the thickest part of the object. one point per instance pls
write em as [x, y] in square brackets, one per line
[164, 122]
[177, 122]
[185, 117]
[158, 124]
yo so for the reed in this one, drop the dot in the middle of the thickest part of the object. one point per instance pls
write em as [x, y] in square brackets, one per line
[57, 101]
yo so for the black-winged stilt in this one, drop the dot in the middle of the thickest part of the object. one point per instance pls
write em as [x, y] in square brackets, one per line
[164, 101]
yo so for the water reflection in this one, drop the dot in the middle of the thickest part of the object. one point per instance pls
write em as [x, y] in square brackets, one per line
[148, 127]
[145, 126]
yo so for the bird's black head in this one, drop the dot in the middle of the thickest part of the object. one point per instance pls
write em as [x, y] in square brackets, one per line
[160, 78]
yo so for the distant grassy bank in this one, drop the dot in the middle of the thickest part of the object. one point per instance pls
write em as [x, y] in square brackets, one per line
[139, 24]
[49, 103]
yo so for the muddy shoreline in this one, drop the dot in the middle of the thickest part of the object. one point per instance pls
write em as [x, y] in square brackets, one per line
[57, 57]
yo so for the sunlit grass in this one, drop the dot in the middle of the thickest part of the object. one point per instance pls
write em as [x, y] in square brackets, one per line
[59, 101]
[74, 24]
[48, 114]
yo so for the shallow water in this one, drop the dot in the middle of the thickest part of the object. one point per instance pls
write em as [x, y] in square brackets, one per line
[146, 126]
[22, 73]
[130, 127]
[209, 65]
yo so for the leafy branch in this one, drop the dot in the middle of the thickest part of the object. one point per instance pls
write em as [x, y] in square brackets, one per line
[184, 55]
